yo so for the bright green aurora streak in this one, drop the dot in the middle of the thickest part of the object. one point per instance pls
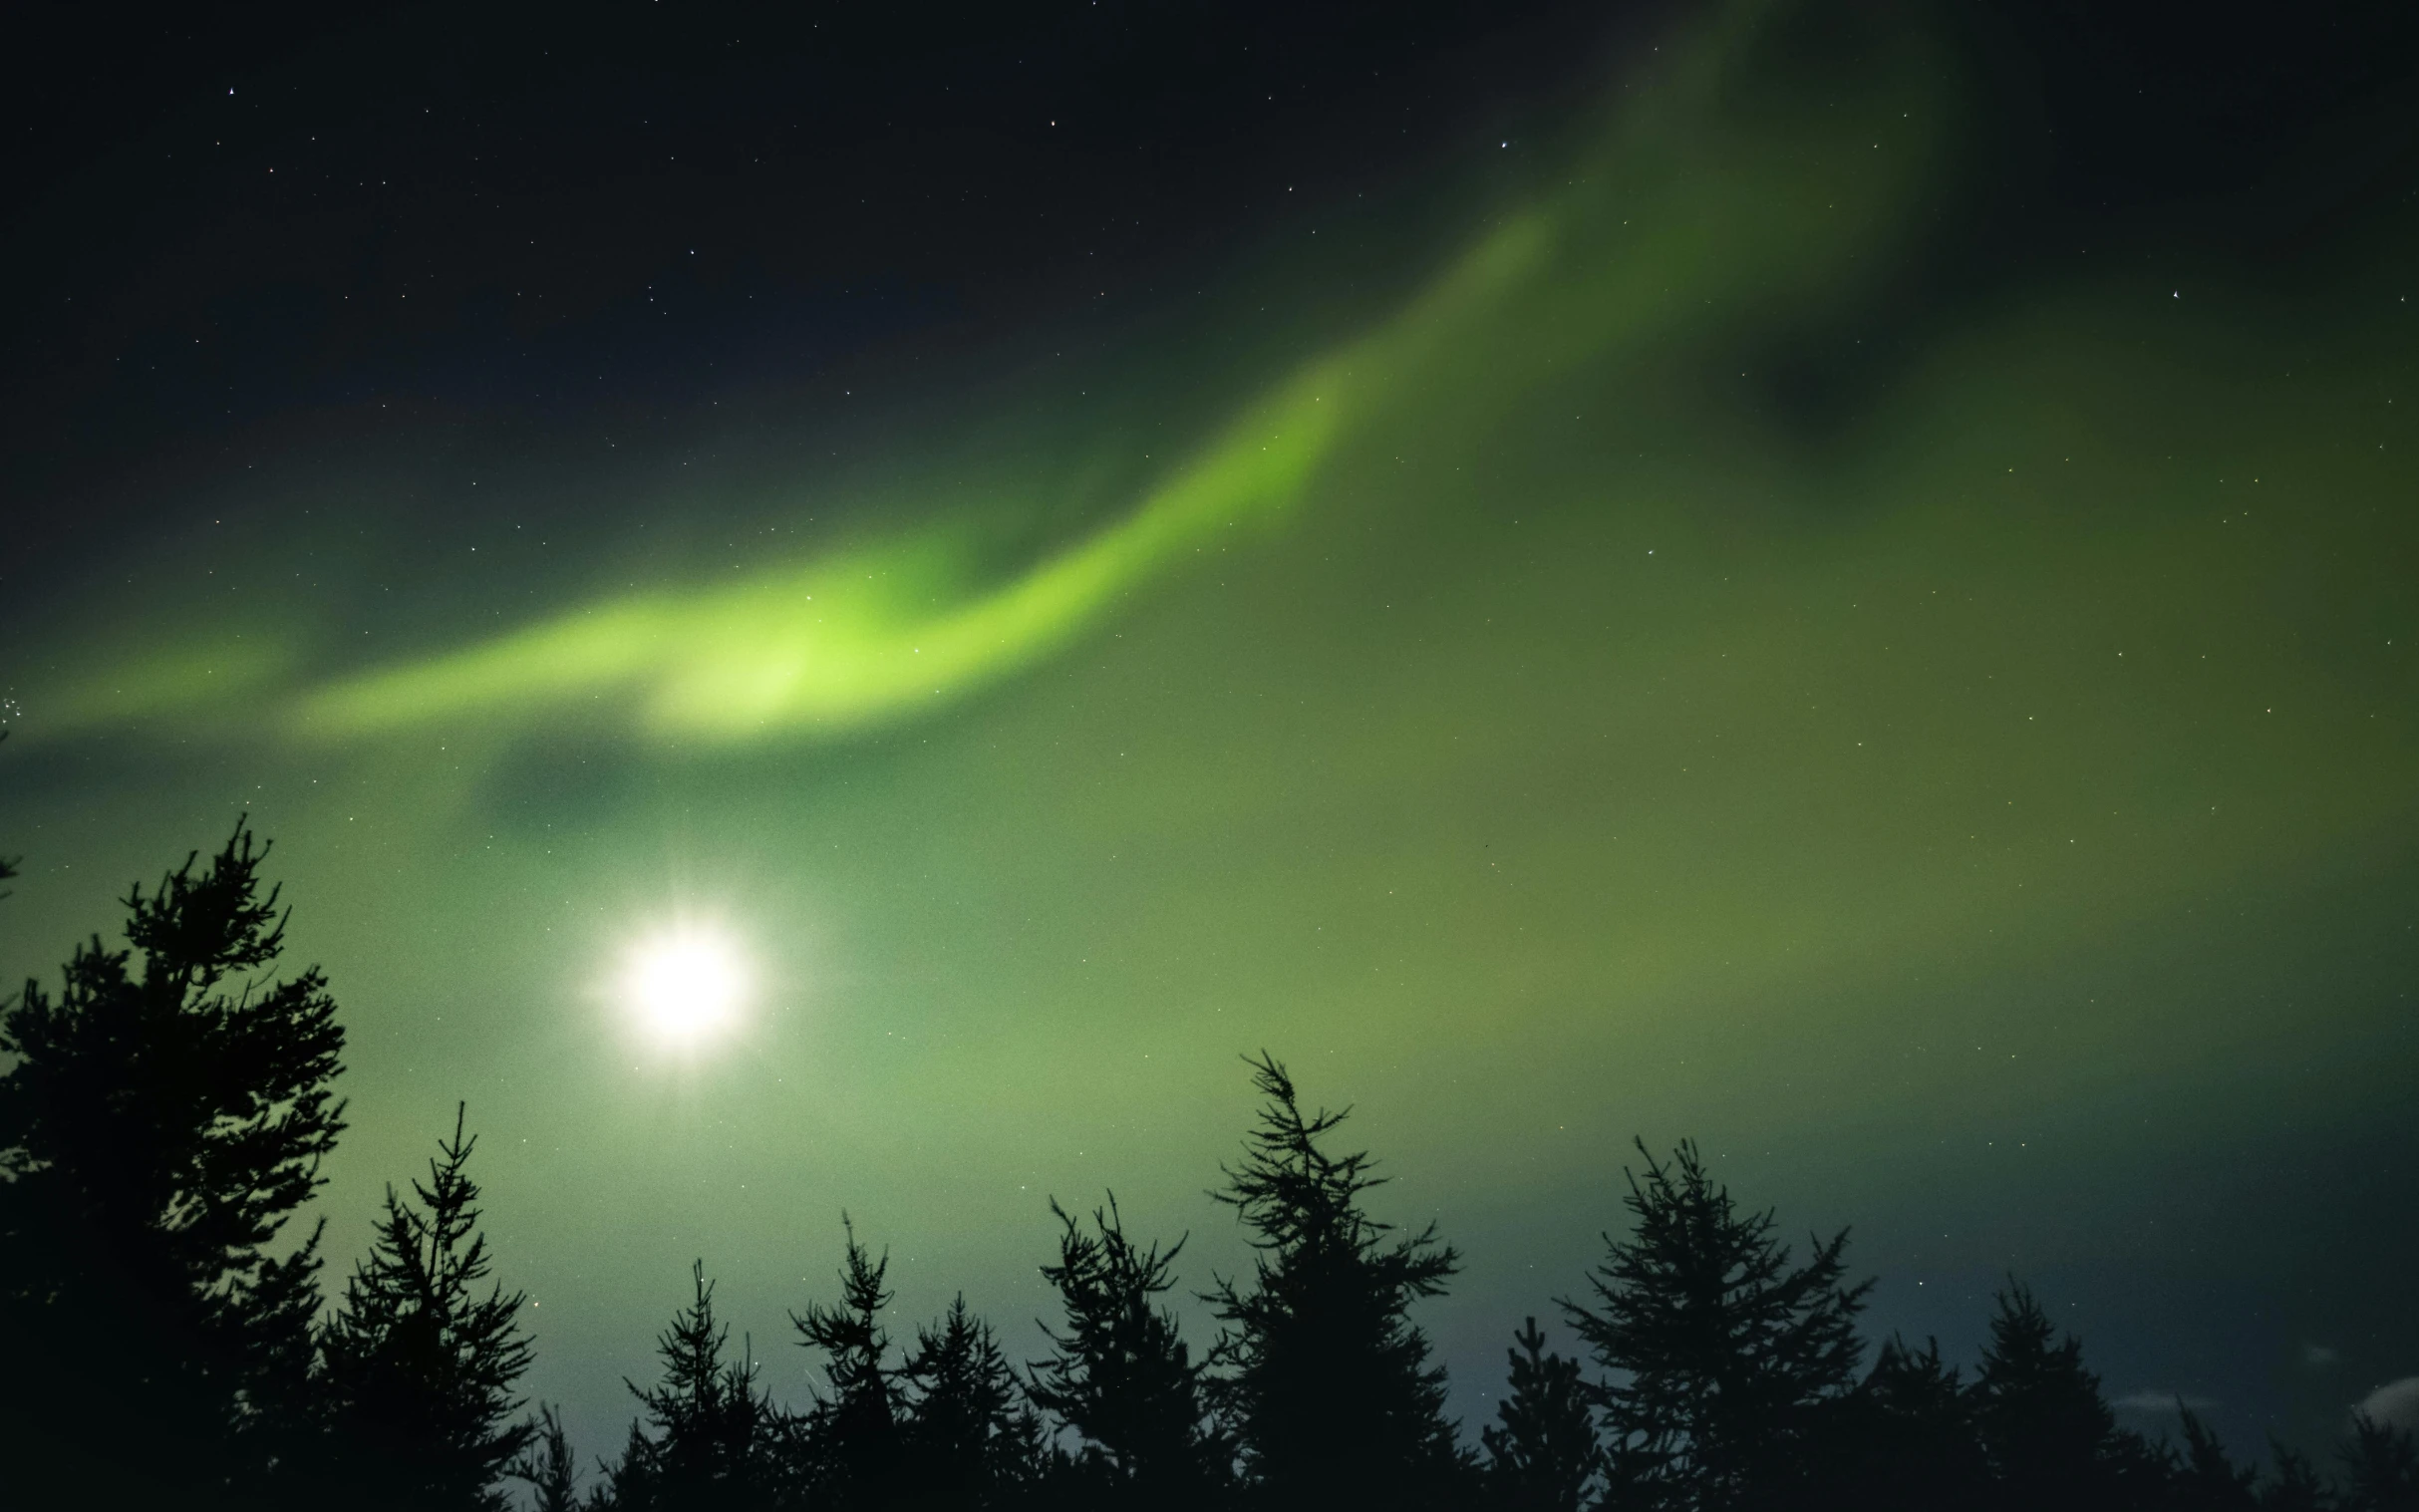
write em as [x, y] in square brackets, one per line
[1682, 210]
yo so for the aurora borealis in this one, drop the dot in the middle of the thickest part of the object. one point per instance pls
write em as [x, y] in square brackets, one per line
[1716, 606]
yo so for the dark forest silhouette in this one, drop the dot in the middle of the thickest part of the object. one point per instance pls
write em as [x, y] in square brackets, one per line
[168, 1344]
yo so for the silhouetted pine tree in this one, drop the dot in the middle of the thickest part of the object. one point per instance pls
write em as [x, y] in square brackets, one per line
[2380, 1467]
[714, 1435]
[418, 1367]
[546, 1465]
[971, 1441]
[1120, 1375]
[851, 1438]
[1330, 1388]
[2050, 1435]
[1906, 1440]
[1722, 1352]
[157, 1129]
[1542, 1455]
[2295, 1486]
[2205, 1477]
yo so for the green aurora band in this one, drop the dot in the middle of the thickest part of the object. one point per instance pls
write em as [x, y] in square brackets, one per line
[1685, 215]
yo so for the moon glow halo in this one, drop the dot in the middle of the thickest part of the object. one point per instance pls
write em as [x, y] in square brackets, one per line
[687, 984]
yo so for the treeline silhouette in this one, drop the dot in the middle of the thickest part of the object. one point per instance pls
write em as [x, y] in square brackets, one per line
[168, 1343]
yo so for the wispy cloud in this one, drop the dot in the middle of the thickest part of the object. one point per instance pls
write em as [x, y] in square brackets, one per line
[2395, 1403]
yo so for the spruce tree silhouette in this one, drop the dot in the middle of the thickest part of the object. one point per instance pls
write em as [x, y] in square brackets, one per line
[2050, 1435]
[1121, 1378]
[2380, 1467]
[1724, 1354]
[418, 1367]
[1328, 1384]
[2204, 1478]
[1905, 1441]
[971, 1441]
[852, 1436]
[158, 1130]
[2296, 1485]
[546, 1465]
[714, 1433]
[1541, 1452]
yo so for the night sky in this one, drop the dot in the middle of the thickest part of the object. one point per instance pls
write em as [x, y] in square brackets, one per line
[1838, 580]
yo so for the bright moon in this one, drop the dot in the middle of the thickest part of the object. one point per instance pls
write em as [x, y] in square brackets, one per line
[686, 983]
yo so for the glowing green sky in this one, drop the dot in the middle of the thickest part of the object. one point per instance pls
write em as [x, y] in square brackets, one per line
[1976, 800]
